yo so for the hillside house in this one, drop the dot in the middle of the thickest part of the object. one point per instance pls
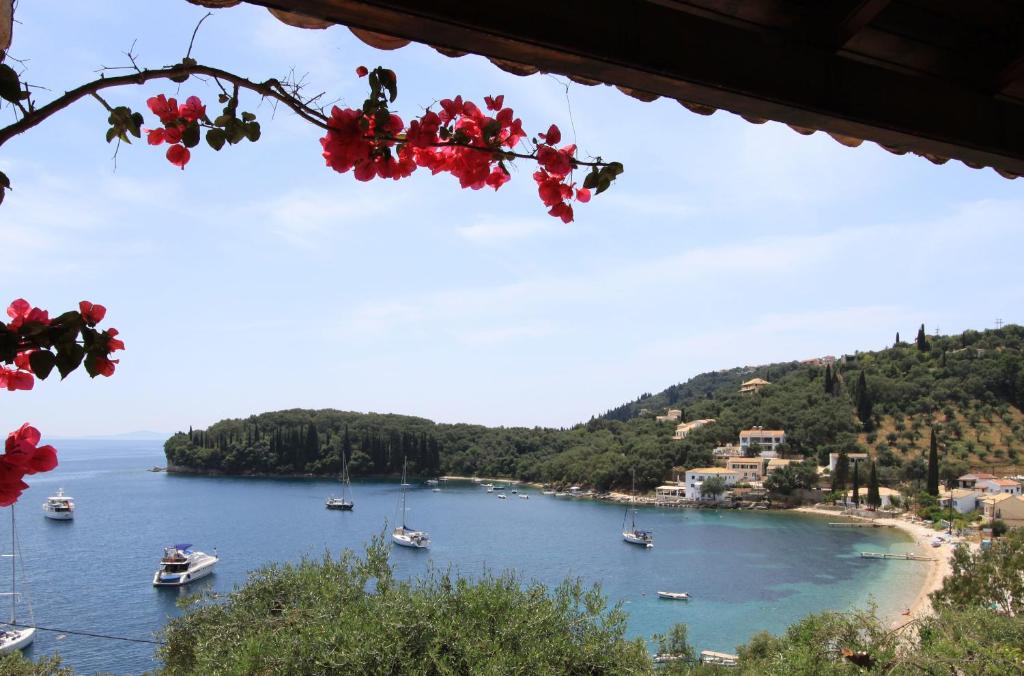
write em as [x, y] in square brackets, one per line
[971, 480]
[758, 441]
[748, 469]
[1009, 508]
[775, 464]
[994, 486]
[671, 415]
[695, 478]
[884, 493]
[682, 429]
[963, 500]
[727, 451]
[753, 385]
[855, 458]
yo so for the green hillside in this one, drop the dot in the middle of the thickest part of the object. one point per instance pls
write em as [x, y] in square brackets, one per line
[970, 388]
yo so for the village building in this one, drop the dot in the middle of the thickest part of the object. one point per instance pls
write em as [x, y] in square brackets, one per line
[885, 495]
[695, 478]
[749, 469]
[993, 486]
[753, 385]
[727, 451]
[682, 429]
[671, 415]
[1003, 506]
[759, 441]
[971, 480]
[962, 500]
[775, 464]
[833, 459]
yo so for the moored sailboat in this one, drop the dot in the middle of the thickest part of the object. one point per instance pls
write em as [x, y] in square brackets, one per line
[344, 501]
[634, 535]
[403, 535]
[11, 636]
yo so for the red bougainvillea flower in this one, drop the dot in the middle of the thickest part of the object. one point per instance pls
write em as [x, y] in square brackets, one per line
[494, 103]
[553, 135]
[92, 314]
[166, 110]
[22, 456]
[583, 195]
[15, 379]
[113, 344]
[178, 155]
[22, 312]
[361, 71]
[11, 485]
[192, 110]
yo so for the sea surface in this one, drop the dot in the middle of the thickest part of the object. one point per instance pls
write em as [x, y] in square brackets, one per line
[745, 571]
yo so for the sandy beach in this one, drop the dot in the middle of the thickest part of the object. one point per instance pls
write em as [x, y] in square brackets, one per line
[938, 569]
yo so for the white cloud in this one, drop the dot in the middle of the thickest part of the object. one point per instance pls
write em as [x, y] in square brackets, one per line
[493, 231]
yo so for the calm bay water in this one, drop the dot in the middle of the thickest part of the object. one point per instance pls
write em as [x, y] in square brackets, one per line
[746, 571]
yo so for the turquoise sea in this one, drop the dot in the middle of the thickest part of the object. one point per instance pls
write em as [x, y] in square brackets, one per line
[746, 571]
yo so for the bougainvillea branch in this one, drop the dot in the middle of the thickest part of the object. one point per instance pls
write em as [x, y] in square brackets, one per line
[473, 144]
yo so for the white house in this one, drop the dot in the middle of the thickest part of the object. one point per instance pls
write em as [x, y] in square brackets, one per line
[884, 493]
[971, 480]
[761, 439]
[727, 451]
[671, 415]
[776, 464]
[833, 458]
[695, 478]
[748, 469]
[993, 486]
[963, 499]
[682, 429]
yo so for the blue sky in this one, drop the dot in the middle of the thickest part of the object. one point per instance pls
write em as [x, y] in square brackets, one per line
[258, 279]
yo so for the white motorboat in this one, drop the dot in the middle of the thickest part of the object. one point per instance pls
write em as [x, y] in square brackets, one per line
[514, 491]
[502, 496]
[404, 536]
[490, 489]
[488, 485]
[547, 492]
[180, 565]
[344, 501]
[634, 535]
[674, 596]
[436, 490]
[11, 636]
[524, 496]
[431, 482]
[59, 507]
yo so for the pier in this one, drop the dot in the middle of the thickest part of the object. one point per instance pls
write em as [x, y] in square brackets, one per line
[888, 555]
[852, 524]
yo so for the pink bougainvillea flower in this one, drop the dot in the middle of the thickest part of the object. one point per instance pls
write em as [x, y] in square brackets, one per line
[361, 71]
[553, 135]
[583, 195]
[18, 308]
[494, 102]
[178, 155]
[92, 314]
[13, 379]
[192, 110]
[22, 312]
[166, 110]
[155, 136]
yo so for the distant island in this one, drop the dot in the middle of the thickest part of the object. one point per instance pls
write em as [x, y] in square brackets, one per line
[140, 435]
[969, 388]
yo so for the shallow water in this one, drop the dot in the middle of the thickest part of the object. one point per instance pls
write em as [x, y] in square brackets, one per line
[746, 571]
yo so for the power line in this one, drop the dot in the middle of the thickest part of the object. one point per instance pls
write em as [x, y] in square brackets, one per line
[87, 633]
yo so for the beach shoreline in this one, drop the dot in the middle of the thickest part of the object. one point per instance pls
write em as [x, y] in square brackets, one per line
[938, 569]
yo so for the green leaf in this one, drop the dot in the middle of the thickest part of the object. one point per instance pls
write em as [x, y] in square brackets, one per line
[42, 362]
[235, 131]
[5, 185]
[590, 182]
[10, 87]
[223, 120]
[252, 131]
[135, 125]
[111, 134]
[248, 117]
[216, 138]
[69, 358]
[616, 168]
[190, 137]
[603, 184]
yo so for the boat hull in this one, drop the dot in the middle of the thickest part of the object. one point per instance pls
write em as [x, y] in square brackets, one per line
[674, 596]
[637, 540]
[16, 639]
[411, 539]
[341, 506]
[59, 516]
[191, 575]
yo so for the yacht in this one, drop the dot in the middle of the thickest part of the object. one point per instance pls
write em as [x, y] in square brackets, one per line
[60, 507]
[344, 501]
[431, 482]
[634, 535]
[403, 535]
[180, 565]
[502, 496]
[674, 596]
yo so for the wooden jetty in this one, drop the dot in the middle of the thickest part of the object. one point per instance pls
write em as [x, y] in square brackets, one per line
[888, 555]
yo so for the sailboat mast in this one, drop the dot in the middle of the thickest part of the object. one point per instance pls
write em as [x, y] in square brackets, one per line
[405, 466]
[14, 572]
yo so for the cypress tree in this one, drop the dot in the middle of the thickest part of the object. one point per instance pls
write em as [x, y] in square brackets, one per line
[864, 403]
[842, 472]
[874, 498]
[933, 465]
[922, 340]
[829, 383]
[856, 484]
[897, 343]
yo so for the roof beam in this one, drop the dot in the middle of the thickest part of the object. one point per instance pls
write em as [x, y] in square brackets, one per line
[653, 48]
[859, 16]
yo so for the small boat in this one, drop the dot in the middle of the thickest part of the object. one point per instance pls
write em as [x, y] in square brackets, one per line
[674, 596]
[180, 565]
[548, 493]
[13, 638]
[436, 490]
[634, 535]
[524, 496]
[431, 482]
[500, 487]
[344, 501]
[561, 495]
[59, 507]
[502, 496]
[514, 491]
[490, 489]
[404, 536]
[477, 480]
[488, 485]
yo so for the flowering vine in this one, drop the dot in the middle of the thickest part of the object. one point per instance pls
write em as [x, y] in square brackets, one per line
[31, 346]
[474, 144]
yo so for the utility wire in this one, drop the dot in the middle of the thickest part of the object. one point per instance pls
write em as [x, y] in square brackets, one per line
[87, 633]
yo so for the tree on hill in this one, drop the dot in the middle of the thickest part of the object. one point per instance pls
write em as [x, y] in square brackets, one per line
[829, 382]
[933, 465]
[864, 403]
[841, 473]
[855, 489]
[874, 499]
[713, 487]
[922, 340]
[897, 343]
